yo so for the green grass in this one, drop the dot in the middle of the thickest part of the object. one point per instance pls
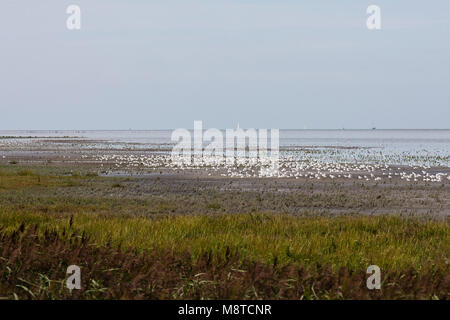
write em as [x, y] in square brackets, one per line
[33, 265]
[26, 179]
[396, 243]
[393, 243]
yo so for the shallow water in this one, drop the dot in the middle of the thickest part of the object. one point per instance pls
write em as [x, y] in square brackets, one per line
[394, 147]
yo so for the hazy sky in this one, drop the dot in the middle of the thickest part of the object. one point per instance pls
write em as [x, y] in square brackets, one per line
[154, 64]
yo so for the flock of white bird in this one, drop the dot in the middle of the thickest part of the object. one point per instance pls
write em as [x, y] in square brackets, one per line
[284, 168]
[363, 164]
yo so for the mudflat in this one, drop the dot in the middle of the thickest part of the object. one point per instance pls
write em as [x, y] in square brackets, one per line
[164, 232]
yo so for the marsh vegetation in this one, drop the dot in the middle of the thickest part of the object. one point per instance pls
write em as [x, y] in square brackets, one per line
[172, 237]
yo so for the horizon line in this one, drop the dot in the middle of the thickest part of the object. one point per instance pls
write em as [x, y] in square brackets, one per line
[244, 128]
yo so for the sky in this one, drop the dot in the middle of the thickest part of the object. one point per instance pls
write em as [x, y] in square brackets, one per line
[161, 64]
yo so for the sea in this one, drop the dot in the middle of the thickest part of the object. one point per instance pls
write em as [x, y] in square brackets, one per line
[403, 147]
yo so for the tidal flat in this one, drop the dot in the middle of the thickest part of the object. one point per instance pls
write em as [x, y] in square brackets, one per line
[192, 236]
[142, 229]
